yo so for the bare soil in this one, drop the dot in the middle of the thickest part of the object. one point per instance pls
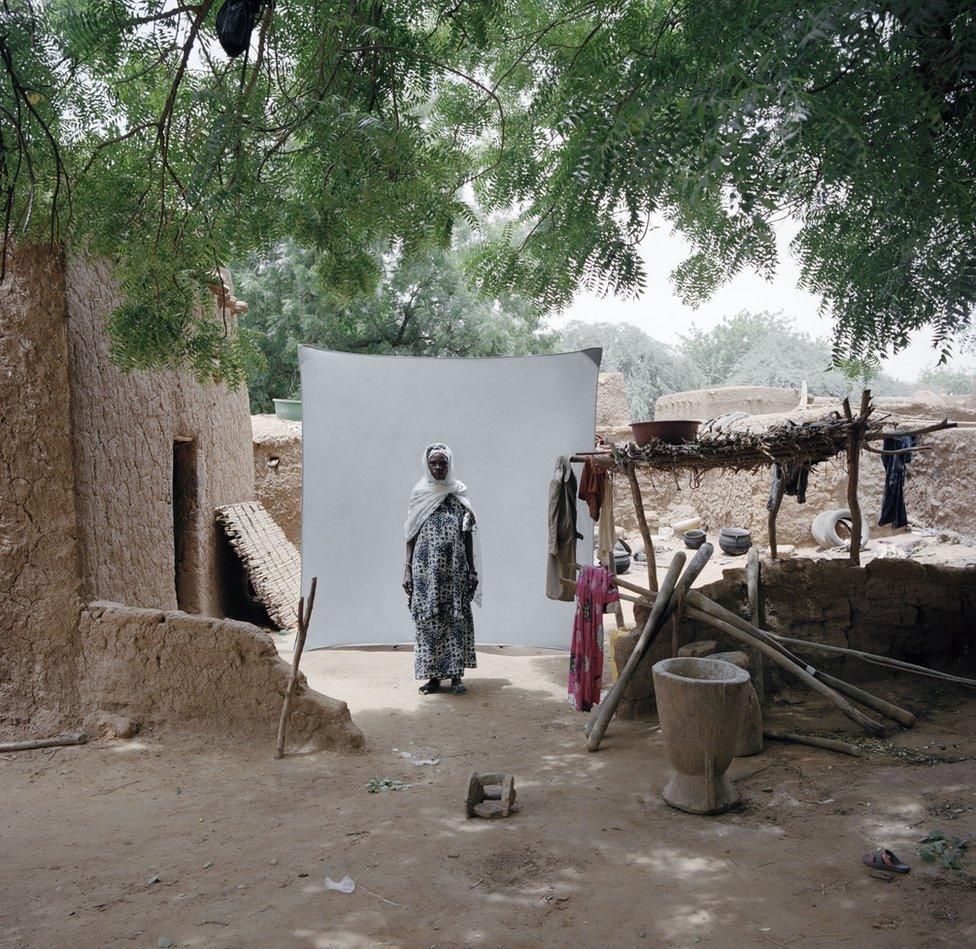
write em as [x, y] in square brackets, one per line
[197, 842]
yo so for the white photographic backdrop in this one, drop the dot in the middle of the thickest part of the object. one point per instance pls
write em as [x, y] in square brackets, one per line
[365, 423]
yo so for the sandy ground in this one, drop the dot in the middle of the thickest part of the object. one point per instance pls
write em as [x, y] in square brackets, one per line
[198, 842]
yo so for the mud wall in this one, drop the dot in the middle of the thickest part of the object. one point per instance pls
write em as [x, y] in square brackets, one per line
[924, 614]
[703, 404]
[38, 557]
[125, 428]
[200, 674]
[278, 471]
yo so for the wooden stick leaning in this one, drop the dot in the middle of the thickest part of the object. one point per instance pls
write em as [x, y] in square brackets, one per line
[884, 661]
[665, 603]
[815, 741]
[304, 613]
[68, 738]
[645, 531]
[894, 712]
[773, 514]
[676, 618]
[708, 615]
[601, 715]
[755, 614]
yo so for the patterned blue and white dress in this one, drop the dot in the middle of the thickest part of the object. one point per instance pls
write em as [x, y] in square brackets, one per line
[441, 600]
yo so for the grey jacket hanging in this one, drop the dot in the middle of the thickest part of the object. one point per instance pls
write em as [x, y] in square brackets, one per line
[562, 531]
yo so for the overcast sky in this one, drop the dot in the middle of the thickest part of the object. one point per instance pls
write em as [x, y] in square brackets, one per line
[661, 314]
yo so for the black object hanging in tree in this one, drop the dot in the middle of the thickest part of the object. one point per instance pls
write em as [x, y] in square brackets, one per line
[236, 20]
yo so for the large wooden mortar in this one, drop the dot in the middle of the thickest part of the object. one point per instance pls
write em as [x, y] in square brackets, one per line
[701, 704]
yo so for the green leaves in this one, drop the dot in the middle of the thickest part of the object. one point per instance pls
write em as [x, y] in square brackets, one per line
[949, 852]
[124, 130]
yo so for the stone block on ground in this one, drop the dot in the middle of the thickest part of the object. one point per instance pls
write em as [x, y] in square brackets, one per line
[737, 658]
[699, 649]
[102, 724]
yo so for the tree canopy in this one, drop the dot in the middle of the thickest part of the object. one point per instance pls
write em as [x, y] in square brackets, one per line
[421, 306]
[126, 132]
[854, 118]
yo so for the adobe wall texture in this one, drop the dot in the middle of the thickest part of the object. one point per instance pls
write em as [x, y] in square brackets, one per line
[124, 427]
[39, 604]
[924, 614]
[85, 510]
[703, 404]
[168, 668]
[278, 471]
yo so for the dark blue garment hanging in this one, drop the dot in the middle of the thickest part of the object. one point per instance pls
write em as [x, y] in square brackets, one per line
[893, 503]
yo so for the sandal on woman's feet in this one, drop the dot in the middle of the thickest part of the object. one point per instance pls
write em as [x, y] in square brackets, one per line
[430, 686]
[883, 859]
[458, 687]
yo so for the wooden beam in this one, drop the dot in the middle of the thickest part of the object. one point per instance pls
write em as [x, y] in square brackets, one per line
[69, 738]
[901, 433]
[304, 614]
[753, 581]
[774, 513]
[645, 531]
[854, 442]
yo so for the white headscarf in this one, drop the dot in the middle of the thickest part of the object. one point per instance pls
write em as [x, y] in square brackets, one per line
[427, 496]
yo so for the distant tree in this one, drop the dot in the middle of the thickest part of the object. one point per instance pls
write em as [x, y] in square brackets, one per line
[766, 349]
[948, 381]
[420, 306]
[716, 351]
[651, 368]
[786, 360]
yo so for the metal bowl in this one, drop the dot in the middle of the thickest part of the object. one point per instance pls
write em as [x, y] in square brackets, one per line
[671, 431]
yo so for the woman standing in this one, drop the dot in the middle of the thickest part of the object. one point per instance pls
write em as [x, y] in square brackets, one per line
[441, 575]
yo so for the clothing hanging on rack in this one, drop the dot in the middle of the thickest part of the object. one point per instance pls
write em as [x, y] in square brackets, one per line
[561, 561]
[592, 487]
[594, 590]
[794, 482]
[606, 537]
[893, 510]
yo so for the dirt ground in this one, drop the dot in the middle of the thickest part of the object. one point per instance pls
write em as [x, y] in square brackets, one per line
[176, 840]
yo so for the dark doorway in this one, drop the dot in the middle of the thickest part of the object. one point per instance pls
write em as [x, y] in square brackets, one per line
[186, 525]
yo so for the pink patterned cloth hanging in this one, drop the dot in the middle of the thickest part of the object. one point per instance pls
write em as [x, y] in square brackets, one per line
[594, 590]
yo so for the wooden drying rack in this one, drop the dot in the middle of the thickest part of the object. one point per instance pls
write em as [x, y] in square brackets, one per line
[810, 443]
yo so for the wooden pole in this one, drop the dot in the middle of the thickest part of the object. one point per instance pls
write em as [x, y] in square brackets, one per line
[814, 741]
[303, 617]
[664, 605]
[601, 715]
[854, 442]
[608, 490]
[755, 614]
[707, 615]
[645, 531]
[679, 614]
[70, 738]
[924, 430]
[885, 661]
[773, 514]
[894, 712]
